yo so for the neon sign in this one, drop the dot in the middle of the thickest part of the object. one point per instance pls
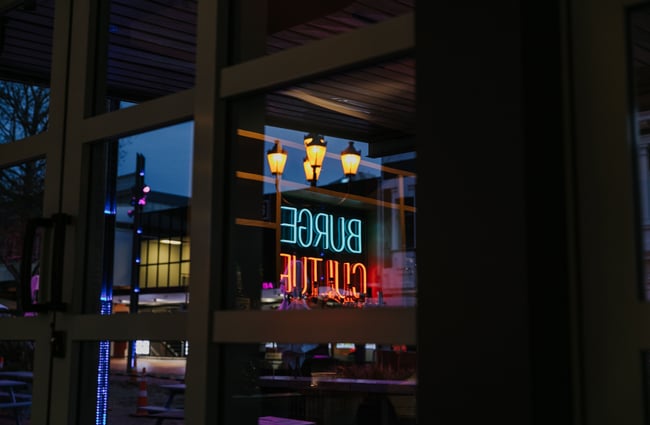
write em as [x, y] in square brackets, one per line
[306, 275]
[301, 227]
[302, 274]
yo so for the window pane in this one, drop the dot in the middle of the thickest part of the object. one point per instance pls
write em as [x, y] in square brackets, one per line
[21, 200]
[151, 49]
[639, 22]
[338, 240]
[153, 191]
[325, 383]
[25, 63]
[129, 396]
[16, 373]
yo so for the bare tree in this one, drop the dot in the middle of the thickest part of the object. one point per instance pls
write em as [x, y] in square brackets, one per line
[23, 112]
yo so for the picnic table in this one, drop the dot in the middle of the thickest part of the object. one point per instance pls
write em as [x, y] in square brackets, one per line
[173, 390]
[14, 400]
[167, 410]
[26, 375]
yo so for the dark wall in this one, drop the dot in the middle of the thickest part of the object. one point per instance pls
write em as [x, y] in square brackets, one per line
[485, 253]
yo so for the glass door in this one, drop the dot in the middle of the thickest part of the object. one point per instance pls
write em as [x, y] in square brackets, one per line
[609, 84]
[96, 146]
[31, 150]
[314, 316]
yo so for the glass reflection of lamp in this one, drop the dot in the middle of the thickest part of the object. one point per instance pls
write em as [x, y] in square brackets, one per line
[350, 160]
[311, 173]
[277, 159]
[315, 147]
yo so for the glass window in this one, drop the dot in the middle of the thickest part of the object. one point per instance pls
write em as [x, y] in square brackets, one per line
[639, 21]
[21, 203]
[16, 375]
[153, 185]
[151, 49]
[126, 396]
[320, 383]
[315, 235]
[25, 64]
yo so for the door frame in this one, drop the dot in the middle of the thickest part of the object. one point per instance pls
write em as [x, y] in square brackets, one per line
[614, 319]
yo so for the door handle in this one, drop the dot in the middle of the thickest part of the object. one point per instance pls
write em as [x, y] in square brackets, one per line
[28, 299]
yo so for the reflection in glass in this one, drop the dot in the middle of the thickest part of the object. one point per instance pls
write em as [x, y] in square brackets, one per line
[16, 375]
[21, 199]
[151, 270]
[151, 49]
[315, 21]
[639, 21]
[326, 383]
[156, 385]
[25, 60]
[146, 210]
[325, 237]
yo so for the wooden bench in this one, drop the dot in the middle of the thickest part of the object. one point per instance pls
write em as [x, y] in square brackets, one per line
[23, 396]
[13, 400]
[274, 420]
[160, 413]
[169, 414]
[152, 409]
[17, 407]
[22, 401]
[14, 404]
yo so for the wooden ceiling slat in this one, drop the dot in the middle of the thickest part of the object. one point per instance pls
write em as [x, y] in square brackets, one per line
[343, 21]
[181, 25]
[153, 51]
[378, 110]
[333, 127]
[150, 76]
[393, 7]
[15, 52]
[367, 90]
[41, 18]
[149, 60]
[328, 122]
[125, 85]
[163, 12]
[30, 65]
[159, 36]
[367, 83]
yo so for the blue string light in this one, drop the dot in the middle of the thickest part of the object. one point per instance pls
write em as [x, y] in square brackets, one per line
[103, 369]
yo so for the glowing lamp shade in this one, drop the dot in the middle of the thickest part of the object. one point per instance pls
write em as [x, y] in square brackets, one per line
[277, 158]
[350, 159]
[315, 146]
[311, 173]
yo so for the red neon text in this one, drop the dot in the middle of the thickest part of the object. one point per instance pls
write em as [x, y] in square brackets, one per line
[304, 274]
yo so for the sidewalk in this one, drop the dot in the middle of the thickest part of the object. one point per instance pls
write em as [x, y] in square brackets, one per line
[124, 390]
[172, 368]
[123, 400]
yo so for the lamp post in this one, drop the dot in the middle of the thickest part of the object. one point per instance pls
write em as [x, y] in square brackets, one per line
[315, 147]
[277, 159]
[139, 193]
